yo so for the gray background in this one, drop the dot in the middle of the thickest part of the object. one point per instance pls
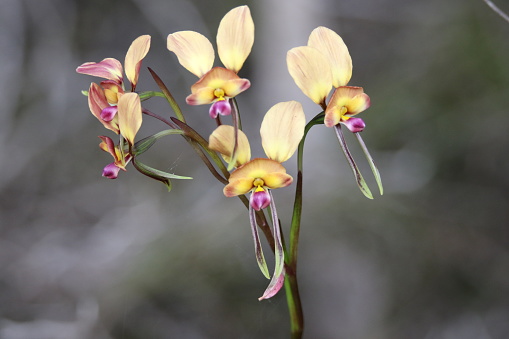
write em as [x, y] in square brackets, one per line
[86, 257]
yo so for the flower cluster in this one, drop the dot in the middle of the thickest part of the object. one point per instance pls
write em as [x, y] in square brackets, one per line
[317, 68]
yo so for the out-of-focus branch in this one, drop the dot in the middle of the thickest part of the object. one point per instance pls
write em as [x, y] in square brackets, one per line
[497, 10]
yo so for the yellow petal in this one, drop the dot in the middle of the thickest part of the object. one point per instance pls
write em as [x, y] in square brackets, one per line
[137, 51]
[282, 129]
[271, 172]
[222, 140]
[202, 97]
[311, 71]
[129, 115]
[238, 187]
[330, 44]
[193, 50]
[277, 180]
[235, 37]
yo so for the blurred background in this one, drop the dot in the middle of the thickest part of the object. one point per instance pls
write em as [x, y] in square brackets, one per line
[84, 257]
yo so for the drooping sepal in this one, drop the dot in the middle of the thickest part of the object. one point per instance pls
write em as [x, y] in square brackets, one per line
[371, 162]
[260, 258]
[358, 176]
[278, 277]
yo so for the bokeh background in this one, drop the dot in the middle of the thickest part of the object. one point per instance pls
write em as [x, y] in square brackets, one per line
[85, 257]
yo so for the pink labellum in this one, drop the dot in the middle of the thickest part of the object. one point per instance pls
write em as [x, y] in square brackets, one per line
[108, 113]
[222, 107]
[111, 171]
[260, 200]
[354, 124]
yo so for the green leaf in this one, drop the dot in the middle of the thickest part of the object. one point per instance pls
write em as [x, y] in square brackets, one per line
[156, 174]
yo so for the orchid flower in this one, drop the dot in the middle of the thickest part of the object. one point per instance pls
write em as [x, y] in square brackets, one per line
[281, 131]
[129, 122]
[216, 86]
[113, 87]
[323, 64]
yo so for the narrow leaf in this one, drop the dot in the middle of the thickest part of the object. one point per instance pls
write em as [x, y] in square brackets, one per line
[143, 145]
[260, 259]
[169, 97]
[371, 162]
[358, 176]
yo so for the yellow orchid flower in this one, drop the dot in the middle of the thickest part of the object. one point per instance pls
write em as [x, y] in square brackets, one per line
[323, 64]
[281, 131]
[235, 37]
[121, 159]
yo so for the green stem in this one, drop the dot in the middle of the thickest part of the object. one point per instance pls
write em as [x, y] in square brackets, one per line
[291, 285]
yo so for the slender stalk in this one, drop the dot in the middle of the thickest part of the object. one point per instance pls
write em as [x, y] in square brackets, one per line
[158, 117]
[291, 285]
[497, 10]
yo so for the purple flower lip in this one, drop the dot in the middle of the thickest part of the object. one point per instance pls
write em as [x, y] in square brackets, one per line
[222, 107]
[260, 199]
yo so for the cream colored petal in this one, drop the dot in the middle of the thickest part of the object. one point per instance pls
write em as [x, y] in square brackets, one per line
[282, 129]
[332, 116]
[330, 44]
[193, 50]
[311, 71]
[235, 37]
[129, 115]
[135, 54]
[222, 140]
